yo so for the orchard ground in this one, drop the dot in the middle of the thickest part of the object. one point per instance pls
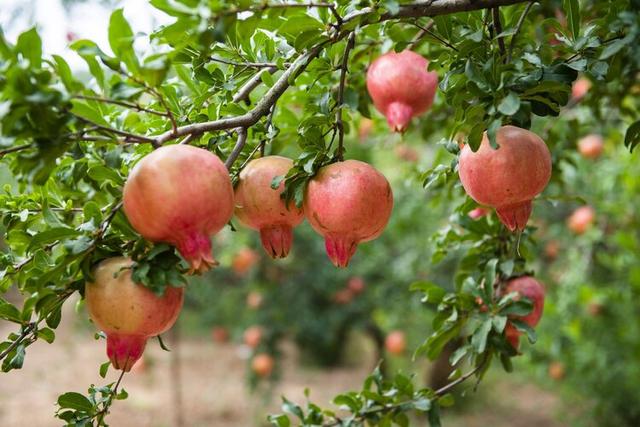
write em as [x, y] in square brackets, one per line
[215, 391]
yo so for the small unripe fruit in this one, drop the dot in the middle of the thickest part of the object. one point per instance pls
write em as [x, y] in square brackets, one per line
[356, 285]
[552, 249]
[395, 342]
[254, 300]
[262, 364]
[581, 219]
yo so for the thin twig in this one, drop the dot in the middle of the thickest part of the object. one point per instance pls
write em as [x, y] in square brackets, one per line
[131, 105]
[512, 44]
[427, 30]
[351, 42]
[242, 139]
[495, 11]
[14, 149]
[423, 31]
[244, 64]
[129, 137]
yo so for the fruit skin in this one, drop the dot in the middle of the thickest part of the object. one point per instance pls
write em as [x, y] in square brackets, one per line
[507, 178]
[477, 213]
[262, 364]
[527, 287]
[181, 195]
[401, 87]
[127, 312]
[253, 336]
[260, 207]
[348, 202]
[395, 342]
[591, 146]
[581, 219]
[244, 260]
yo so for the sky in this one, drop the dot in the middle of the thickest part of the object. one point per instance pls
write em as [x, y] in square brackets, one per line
[88, 19]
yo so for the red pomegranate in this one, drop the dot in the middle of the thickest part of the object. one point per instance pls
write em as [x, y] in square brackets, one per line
[260, 207]
[527, 287]
[356, 285]
[262, 364]
[507, 178]
[253, 336]
[581, 219]
[348, 202]
[220, 334]
[401, 87]
[244, 260]
[254, 300]
[580, 88]
[591, 146]
[395, 342]
[343, 296]
[181, 195]
[127, 312]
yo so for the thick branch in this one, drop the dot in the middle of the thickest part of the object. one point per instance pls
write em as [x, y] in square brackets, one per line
[242, 139]
[250, 85]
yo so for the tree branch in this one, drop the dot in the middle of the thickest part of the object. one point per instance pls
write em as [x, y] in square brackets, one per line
[242, 139]
[343, 79]
[14, 149]
[250, 85]
[495, 11]
[512, 44]
[129, 137]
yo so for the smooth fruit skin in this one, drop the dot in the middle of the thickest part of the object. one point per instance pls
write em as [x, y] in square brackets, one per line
[591, 146]
[525, 287]
[262, 364]
[258, 206]
[348, 202]
[401, 87]
[507, 178]
[127, 312]
[395, 342]
[581, 219]
[181, 195]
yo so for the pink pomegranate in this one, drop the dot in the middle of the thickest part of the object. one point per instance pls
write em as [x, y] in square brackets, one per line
[401, 87]
[260, 207]
[478, 213]
[581, 219]
[356, 285]
[181, 195]
[527, 287]
[348, 202]
[395, 342]
[507, 178]
[580, 88]
[127, 312]
[591, 146]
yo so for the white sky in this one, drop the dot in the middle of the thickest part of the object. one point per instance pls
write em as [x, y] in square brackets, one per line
[88, 20]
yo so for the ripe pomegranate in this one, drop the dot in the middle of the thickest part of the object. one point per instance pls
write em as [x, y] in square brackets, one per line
[343, 296]
[253, 336]
[552, 249]
[530, 288]
[478, 213]
[591, 146]
[348, 202]
[244, 260]
[580, 88]
[127, 312]
[401, 87]
[220, 334]
[581, 219]
[395, 342]
[364, 129]
[507, 178]
[260, 207]
[556, 370]
[254, 300]
[181, 195]
[356, 285]
[262, 364]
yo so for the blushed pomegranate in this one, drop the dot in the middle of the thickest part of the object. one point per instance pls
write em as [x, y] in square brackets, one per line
[591, 146]
[395, 342]
[262, 364]
[581, 219]
[348, 202]
[343, 296]
[127, 312]
[181, 195]
[253, 336]
[260, 207]
[525, 287]
[356, 285]
[254, 300]
[365, 128]
[580, 88]
[556, 370]
[507, 178]
[401, 87]
[244, 260]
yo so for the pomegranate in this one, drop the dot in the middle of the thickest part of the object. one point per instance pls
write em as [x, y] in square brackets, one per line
[356, 285]
[262, 364]
[581, 219]
[477, 213]
[260, 207]
[595, 309]
[220, 334]
[580, 88]
[343, 296]
[530, 288]
[253, 336]
[395, 342]
[401, 87]
[507, 178]
[407, 153]
[591, 146]
[244, 260]
[254, 300]
[127, 312]
[556, 370]
[181, 195]
[552, 249]
[348, 202]
[365, 128]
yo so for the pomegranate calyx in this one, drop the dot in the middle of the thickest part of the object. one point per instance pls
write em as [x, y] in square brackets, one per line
[340, 250]
[125, 350]
[277, 240]
[515, 217]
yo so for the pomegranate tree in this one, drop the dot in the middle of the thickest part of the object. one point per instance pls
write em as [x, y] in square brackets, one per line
[507, 178]
[181, 195]
[401, 87]
[525, 287]
[127, 312]
[260, 207]
[348, 202]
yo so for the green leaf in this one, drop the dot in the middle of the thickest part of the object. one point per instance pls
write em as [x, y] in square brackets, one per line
[77, 401]
[572, 10]
[30, 46]
[104, 368]
[510, 104]
[632, 136]
[9, 312]
[121, 39]
[47, 334]
[479, 338]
